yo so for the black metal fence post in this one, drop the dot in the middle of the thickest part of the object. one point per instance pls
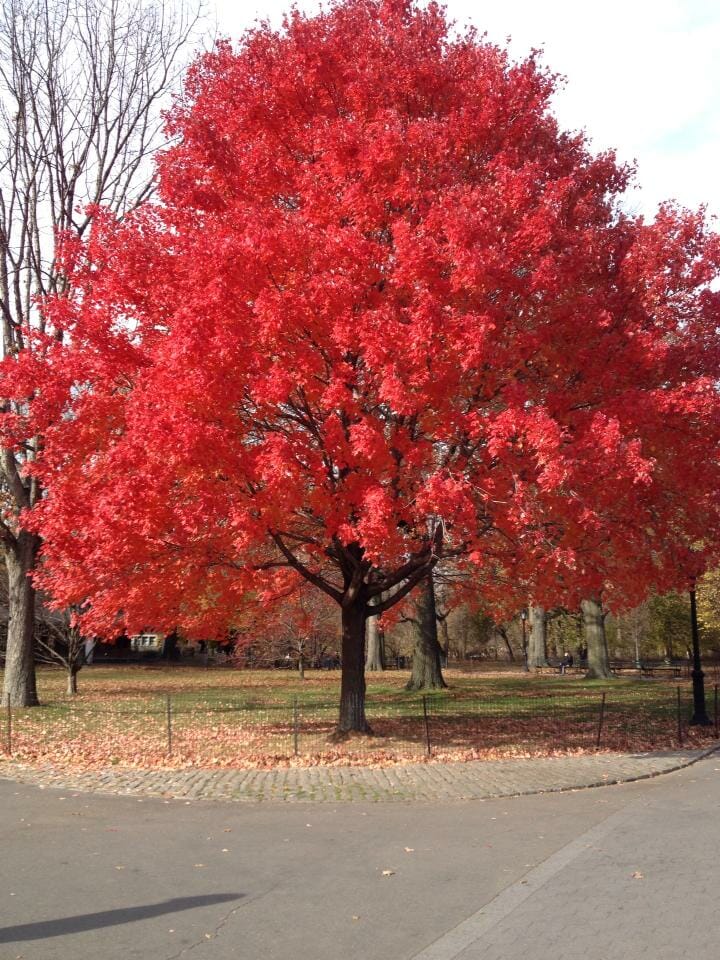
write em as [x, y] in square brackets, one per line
[679, 717]
[427, 725]
[601, 721]
[296, 725]
[168, 714]
[699, 716]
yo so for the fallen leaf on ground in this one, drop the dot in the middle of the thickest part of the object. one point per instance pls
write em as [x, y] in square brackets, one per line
[638, 876]
[388, 873]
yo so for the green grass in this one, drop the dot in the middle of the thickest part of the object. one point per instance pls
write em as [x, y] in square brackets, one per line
[223, 715]
[119, 688]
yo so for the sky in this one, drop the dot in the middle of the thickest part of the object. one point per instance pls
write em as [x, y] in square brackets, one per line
[642, 77]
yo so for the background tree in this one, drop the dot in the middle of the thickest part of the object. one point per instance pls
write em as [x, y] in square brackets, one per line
[449, 586]
[537, 647]
[598, 656]
[627, 633]
[82, 83]
[668, 628]
[426, 657]
[59, 642]
[709, 610]
[375, 645]
[503, 633]
[300, 625]
[379, 286]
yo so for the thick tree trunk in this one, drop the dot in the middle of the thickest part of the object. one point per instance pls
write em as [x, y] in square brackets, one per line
[374, 659]
[352, 684]
[426, 668]
[595, 640]
[445, 645]
[537, 650]
[19, 684]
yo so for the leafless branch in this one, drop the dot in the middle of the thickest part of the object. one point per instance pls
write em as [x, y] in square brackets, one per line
[82, 88]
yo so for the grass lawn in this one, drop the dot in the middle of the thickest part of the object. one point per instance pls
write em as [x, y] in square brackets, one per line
[222, 685]
[159, 715]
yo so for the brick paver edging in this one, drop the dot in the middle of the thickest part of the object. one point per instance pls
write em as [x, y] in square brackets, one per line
[474, 780]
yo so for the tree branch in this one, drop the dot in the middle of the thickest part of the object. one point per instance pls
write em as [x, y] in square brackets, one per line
[314, 578]
[378, 608]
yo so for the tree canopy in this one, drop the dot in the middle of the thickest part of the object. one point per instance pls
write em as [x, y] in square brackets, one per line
[382, 310]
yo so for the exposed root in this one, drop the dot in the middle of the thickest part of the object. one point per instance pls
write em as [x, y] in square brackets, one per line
[344, 736]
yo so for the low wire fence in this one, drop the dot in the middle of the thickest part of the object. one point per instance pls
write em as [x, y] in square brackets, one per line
[186, 730]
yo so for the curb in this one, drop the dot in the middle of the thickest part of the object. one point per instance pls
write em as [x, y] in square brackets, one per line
[353, 791]
[652, 775]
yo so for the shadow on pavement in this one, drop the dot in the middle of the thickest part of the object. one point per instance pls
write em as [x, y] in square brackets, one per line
[108, 918]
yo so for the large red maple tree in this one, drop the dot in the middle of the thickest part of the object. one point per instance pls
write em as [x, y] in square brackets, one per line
[383, 310]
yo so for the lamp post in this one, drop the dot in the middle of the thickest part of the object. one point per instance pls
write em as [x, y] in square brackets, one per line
[523, 618]
[699, 716]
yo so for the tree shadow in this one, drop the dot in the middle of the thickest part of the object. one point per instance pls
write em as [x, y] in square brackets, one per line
[44, 929]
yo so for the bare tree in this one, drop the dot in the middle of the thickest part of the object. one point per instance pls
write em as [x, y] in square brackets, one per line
[299, 629]
[82, 86]
[59, 642]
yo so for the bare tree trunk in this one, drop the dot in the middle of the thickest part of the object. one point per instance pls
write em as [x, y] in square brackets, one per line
[374, 659]
[352, 685]
[72, 687]
[19, 684]
[668, 645]
[537, 652]
[426, 668]
[445, 645]
[595, 640]
[502, 632]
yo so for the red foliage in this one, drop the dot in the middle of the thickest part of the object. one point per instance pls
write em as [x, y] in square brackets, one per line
[301, 623]
[379, 286]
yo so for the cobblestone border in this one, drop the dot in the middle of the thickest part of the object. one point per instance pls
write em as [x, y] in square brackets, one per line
[473, 780]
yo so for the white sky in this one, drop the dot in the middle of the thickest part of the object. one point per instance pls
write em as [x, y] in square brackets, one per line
[643, 76]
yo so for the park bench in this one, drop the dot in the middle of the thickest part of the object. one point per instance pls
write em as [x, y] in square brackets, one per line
[647, 669]
[662, 669]
[553, 666]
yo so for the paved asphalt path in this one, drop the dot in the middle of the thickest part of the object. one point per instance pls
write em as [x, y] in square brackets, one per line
[618, 872]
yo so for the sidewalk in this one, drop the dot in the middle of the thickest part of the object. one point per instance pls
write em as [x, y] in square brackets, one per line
[475, 780]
